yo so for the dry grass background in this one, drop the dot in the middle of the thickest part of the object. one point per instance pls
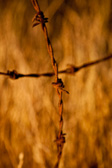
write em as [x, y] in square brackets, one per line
[80, 31]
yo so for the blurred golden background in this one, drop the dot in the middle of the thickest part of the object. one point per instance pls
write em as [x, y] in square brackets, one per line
[80, 32]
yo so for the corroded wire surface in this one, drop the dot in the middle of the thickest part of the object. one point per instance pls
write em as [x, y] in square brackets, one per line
[26, 106]
[70, 70]
[58, 84]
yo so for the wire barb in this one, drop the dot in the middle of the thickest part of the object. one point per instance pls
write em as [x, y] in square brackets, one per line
[39, 18]
[60, 140]
[13, 74]
[59, 85]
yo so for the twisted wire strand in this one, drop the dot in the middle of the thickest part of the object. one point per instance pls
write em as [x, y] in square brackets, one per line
[71, 70]
[58, 84]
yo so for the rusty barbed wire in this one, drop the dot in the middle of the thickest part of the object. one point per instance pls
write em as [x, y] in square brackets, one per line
[39, 18]
[58, 84]
[71, 70]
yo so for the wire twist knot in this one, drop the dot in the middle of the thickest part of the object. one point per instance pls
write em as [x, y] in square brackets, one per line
[60, 140]
[39, 18]
[71, 69]
[13, 74]
[59, 85]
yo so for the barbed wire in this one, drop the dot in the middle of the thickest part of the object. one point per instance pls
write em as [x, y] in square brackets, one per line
[39, 18]
[58, 84]
[71, 69]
